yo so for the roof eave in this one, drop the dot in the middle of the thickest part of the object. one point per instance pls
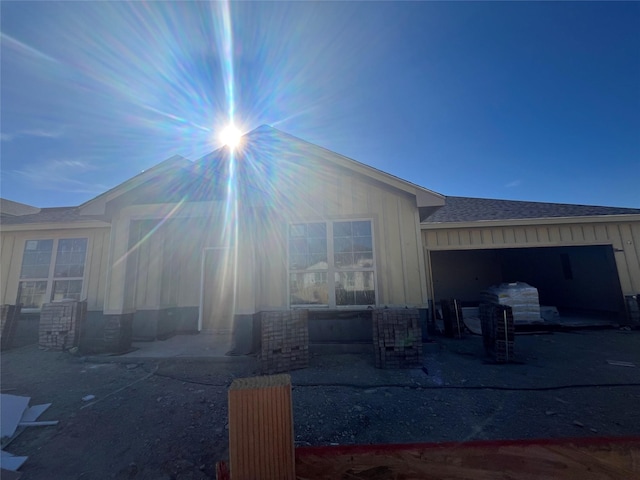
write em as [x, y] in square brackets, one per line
[97, 205]
[531, 221]
[29, 227]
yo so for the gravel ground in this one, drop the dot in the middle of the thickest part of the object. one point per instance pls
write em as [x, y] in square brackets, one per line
[168, 419]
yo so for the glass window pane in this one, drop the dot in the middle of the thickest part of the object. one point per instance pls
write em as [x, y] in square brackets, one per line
[344, 260]
[298, 262]
[341, 229]
[66, 289]
[31, 294]
[355, 288]
[308, 288]
[61, 271]
[361, 228]
[70, 257]
[318, 261]
[299, 230]
[362, 244]
[317, 230]
[36, 259]
[318, 245]
[342, 245]
[363, 260]
[299, 246]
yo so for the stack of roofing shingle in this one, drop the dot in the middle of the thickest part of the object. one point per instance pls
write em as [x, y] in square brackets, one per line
[60, 324]
[285, 341]
[521, 297]
[397, 338]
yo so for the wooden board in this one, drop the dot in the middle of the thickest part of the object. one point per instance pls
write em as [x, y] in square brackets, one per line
[261, 429]
[586, 459]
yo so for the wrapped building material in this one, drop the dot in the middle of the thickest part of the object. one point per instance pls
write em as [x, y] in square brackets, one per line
[521, 297]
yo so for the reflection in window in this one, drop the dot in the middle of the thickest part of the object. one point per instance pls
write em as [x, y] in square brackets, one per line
[32, 294]
[354, 288]
[40, 282]
[338, 277]
[309, 289]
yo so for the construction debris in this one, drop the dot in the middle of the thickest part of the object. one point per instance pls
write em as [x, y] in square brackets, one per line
[15, 415]
[618, 363]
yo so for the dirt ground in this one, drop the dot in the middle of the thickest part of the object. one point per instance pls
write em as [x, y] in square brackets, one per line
[168, 419]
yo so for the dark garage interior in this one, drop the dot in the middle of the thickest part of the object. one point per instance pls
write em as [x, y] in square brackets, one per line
[578, 280]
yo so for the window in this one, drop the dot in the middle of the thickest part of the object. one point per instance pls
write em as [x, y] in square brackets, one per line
[331, 264]
[47, 277]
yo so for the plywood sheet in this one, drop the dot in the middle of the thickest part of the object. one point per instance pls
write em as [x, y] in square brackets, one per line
[11, 409]
[587, 459]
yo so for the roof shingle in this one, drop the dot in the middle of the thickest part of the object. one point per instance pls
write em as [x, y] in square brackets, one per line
[465, 209]
[48, 215]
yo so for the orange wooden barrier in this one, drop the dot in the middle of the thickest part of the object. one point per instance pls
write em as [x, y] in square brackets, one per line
[261, 429]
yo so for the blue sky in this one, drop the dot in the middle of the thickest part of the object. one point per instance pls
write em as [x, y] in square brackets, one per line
[525, 101]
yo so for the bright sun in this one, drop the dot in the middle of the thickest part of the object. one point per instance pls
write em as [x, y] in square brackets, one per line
[230, 136]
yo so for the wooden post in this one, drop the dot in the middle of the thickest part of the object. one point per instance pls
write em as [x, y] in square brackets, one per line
[261, 429]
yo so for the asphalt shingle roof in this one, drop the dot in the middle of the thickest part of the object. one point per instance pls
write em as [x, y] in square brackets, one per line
[47, 215]
[465, 209]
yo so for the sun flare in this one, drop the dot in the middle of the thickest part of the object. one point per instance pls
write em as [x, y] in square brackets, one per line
[230, 136]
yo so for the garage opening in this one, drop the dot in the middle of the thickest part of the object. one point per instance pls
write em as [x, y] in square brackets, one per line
[578, 280]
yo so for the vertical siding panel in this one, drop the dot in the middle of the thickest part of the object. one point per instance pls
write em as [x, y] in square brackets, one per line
[543, 235]
[476, 237]
[453, 237]
[509, 236]
[433, 239]
[497, 236]
[403, 247]
[622, 261]
[346, 196]
[359, 197]
[589, 233]
[635, 238]
[104, 266]
[465, 237]
[6, 258]
[566, 234]
[441, 238]
[330, 205]
[577, 234]
[521, 235]
[601, 234]
[631, 256]
[392, 272]
[531, 235]
[554, 234]
[16, 263]
[93, 274]
[487, 236]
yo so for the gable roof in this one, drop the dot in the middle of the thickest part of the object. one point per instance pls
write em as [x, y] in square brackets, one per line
[269, 139]
[97, 205]
[11, 208]
[466, 209]
[55, 215]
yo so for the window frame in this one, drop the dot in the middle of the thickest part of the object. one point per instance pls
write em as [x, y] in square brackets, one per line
[332, 269]
[51, 278]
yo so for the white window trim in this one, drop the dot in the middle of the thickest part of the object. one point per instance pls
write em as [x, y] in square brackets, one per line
[331, 268]
[52, 265]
